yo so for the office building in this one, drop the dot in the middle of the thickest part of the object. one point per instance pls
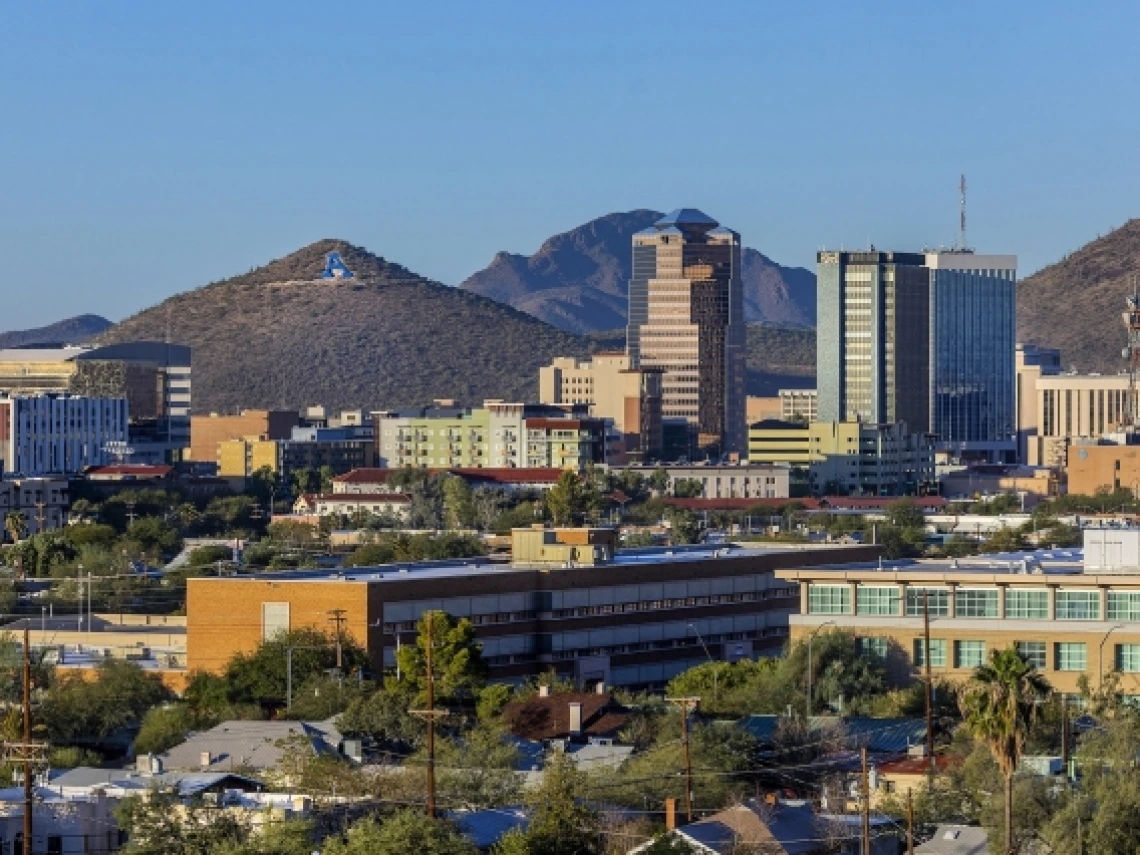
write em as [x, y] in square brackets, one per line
[1072, 612]
[847, 458]
[497, 435]
[628, 397]
[739, 481]
[206, 432]
[154, 377]
[42, 501]
[1031, 363]
[59, 434]
[338, 449]
[1093, 466]
[1056, 410]
[566, 604]
[925, 338]
[799, 404]
[686, 317]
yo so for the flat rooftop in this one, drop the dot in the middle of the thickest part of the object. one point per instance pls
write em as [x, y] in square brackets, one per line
[481, 566]
[1041, 562]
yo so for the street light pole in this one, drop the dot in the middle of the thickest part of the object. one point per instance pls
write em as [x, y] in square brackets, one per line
[1100, 663]
[807, 714]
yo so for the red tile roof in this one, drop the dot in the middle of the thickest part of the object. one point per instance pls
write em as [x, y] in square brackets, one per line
[919, 765]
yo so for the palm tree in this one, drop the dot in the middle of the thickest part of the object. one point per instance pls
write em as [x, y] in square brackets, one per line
[999, 705]
[16, 524]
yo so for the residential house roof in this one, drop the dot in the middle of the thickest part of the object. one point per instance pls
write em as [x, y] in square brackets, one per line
[877, 735]
[956, 840]
[485, 828]
[249, 745]
[540, 718]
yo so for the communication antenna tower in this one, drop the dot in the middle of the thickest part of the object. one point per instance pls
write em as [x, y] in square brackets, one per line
[1132, 351]
[962, 213]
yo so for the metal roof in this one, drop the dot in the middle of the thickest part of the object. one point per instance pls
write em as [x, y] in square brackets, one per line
[687, 217]
[877, 735]
[956, 840]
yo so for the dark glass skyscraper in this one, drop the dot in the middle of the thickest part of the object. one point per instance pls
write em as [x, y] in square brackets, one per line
[925, 338]
[686, 317]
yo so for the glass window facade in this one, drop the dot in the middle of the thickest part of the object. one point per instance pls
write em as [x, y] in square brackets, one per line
[1071, 656]
[937, 653]
[829, 600]
[969, 654]
[973, 338]
[1027, 604]
[1128, 658]
[1124, 605]
[1033, 652]
[877, 600]
[874, 647]
[976, 603]
[938, 599]
[1078, 605]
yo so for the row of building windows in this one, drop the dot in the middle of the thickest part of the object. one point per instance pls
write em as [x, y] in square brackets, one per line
[393, 627]
[968, 653]
[1020, 603]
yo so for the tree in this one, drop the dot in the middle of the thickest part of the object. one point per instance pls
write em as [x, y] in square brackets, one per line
[458, 502]
[905, 514]
[999, 705]
[383, 718]
[478, 769]
[163, 728]
[16, 524]
[80, 710]
[306, 480]
[404, 832]
[684, 526]
[155, 536]
[457, 659]
[688, 488]
[562, 824]
[659, 481]
[566, 500]
[261, 677]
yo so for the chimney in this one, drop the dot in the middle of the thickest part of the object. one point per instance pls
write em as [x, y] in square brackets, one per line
[670, 814]
[204, 759]
[544, 691]
[575, 718]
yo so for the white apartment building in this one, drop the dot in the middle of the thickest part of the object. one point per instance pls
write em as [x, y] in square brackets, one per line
[52, 434]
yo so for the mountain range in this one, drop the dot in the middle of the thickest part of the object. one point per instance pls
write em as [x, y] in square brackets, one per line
[74, 330]
[579, 280]
[1076, 303]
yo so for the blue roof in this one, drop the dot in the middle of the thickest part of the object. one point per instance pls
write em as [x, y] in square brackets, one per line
[687, 217]
[877, 735]
[485, 828]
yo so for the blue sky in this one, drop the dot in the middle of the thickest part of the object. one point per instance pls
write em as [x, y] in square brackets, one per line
[148, 148]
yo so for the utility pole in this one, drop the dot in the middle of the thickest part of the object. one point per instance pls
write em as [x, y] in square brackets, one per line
[686, 704]
[865, 807]
[27, 753]
[909, 822]
[130, 514]
[1065, 736]
[40, 515]
[929, 686]
[430, 715]
[337, 617]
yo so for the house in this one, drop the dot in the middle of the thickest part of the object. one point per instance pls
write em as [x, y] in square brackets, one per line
[348, 504]
[956, 840]
[251, 745]
[67, 825]
[566, 717]
[788, 827]
[884, 736]
[907, 773]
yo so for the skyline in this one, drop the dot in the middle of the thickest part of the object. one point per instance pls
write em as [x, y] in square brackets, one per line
[202, 143]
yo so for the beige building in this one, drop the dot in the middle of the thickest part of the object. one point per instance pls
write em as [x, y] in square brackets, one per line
[760, 408]
[800, 404]
[1092, 467]
[208, 432]
[629, 397]
[1068, 614]
[1054, 409]
[844, 458]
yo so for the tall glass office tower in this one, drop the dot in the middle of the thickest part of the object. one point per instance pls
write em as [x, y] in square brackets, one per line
[686, 317]
[924, 338]
[973, 343]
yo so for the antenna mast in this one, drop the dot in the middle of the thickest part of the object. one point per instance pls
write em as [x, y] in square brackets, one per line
[1132, 352]
[962, 214]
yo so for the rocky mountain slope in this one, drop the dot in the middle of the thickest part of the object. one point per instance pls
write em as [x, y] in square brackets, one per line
[1076, 303]
[281, 336]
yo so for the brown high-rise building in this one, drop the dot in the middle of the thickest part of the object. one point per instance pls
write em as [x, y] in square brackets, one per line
[686, 317]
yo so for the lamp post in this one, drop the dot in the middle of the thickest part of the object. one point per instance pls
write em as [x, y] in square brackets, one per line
[811, 637]
[1100, 663]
